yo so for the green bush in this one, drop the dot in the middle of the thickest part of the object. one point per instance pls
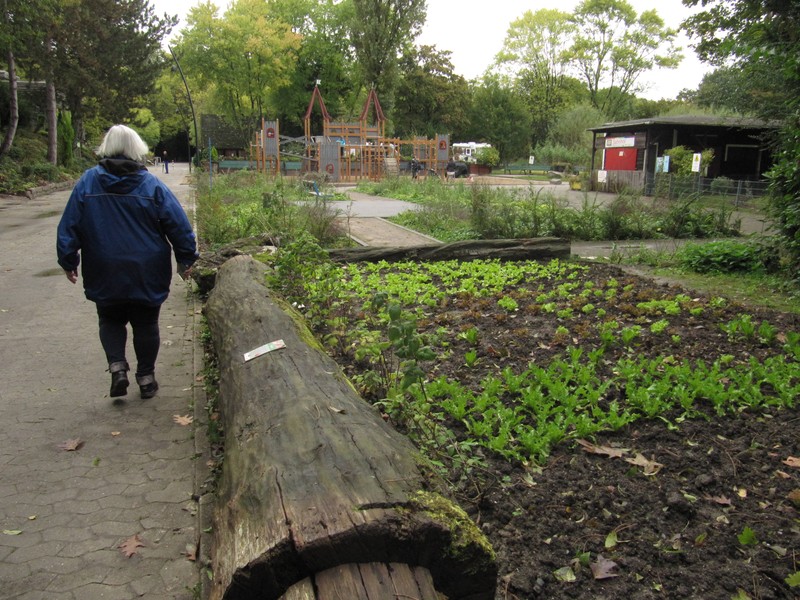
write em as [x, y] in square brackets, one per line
[40, 172]
[681, 159]
[489, 157]
[202, 155]
[723, 186]
[723, 256]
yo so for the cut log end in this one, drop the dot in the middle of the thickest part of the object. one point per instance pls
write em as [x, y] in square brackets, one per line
[306, 489]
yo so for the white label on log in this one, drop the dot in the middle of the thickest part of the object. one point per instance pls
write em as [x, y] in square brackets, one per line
[276, 345]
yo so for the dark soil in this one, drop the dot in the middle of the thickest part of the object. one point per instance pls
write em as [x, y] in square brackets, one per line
[670, 534]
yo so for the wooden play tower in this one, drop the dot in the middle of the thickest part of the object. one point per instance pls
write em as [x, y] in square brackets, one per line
[348, 151]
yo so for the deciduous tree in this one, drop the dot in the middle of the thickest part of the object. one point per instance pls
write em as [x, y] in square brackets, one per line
[536, 54]
[755, 35]
[613, 47]
[244, 57]
[105, 55]
[431, 97]
[324, 55]
[499, 115]
[379, 32]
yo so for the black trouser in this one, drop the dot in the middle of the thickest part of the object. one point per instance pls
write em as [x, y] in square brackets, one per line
[114, 319]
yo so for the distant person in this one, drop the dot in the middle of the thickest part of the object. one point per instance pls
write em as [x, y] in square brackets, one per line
[165, 161]
[124, 222]
[416, 167]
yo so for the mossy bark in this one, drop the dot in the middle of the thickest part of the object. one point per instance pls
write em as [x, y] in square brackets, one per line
[313, 478]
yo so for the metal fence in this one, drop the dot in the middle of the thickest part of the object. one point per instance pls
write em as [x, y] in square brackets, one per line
[668, 185]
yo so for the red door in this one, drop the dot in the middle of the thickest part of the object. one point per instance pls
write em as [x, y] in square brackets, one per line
[620, 159]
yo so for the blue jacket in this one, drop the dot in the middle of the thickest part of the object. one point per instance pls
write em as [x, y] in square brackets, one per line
[124, 222]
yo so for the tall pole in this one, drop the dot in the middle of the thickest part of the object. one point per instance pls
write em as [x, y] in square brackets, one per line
[191, 104]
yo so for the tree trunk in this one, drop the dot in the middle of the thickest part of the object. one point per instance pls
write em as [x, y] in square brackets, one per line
[13, 106]
[317, 491]
[52, 120]
[513, 249]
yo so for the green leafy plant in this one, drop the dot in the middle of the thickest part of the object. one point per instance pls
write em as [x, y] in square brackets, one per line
[659, 326]
[723, 256]
[471, 335]
[507, 303]
[747, 537]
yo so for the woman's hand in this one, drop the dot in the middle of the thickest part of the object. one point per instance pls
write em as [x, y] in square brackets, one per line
[184, 272]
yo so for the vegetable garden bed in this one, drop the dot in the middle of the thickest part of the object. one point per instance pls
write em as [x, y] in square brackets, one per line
[611, 436]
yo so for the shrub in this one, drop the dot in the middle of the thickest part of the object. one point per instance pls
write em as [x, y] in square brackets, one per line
[722, 186]
[489, 157]
[723, 256]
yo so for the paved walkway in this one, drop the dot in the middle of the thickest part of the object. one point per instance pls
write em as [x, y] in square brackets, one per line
[64, 514]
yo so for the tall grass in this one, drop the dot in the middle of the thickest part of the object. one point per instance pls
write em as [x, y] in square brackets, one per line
[453, 212]
[247, 204]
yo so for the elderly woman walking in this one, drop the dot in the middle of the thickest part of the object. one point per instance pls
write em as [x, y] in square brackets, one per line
[121, 224]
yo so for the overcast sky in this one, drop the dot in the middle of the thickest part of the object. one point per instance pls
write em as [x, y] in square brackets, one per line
[474, 31]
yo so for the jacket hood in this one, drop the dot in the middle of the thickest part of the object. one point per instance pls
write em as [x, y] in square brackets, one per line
[121, 175]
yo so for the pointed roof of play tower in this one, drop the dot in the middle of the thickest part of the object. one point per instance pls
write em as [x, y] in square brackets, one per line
[316, 95]
[372, 98]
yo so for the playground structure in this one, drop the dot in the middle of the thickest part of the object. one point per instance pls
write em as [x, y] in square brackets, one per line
[346, 151]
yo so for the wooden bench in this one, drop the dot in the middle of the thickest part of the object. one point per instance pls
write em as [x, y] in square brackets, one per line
[226, 166]
[526, 169]
[291, 167]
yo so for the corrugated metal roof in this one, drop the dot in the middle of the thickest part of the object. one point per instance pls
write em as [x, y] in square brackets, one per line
[690, 120]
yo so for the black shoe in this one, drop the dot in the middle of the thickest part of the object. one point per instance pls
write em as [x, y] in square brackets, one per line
[148, 386]
[119, 379]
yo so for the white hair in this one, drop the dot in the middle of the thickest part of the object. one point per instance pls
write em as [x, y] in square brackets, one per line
[123, 141]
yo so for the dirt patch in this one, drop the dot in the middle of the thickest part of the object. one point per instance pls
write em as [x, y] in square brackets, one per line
[708, 508]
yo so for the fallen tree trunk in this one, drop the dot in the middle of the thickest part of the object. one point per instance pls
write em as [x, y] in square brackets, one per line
[313, 479]
[512, 249]
[205, 270]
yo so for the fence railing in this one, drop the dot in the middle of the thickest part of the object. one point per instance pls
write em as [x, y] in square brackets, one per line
[669, 185]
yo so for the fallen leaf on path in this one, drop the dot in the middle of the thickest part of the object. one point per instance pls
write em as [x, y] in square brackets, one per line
[722, 500]
[603, 450]
[130, 545]
[792, 461]
[565, 574]
[649, 467]
[604, 568]
[183, 420]
[71, 445]
[338, 411]
[611, 540]
[115, 433]
[12, 531]
[191, 552]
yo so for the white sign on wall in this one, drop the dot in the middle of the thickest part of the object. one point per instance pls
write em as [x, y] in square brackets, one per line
[696, 162]
[620, 142]
[531, 159]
